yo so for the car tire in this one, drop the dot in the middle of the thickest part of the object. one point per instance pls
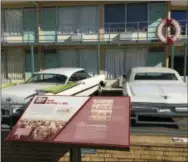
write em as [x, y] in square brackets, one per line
[99, 91]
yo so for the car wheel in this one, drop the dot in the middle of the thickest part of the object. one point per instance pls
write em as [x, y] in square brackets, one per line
[99, 91]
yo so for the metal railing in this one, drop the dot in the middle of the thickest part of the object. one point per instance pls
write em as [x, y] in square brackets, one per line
[71, 33]
[141, 123]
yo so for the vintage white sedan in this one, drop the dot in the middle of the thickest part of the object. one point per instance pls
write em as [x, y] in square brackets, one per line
[156, 89]
[56, 81]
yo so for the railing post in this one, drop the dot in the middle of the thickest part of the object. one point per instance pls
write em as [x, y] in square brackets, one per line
[109, 32]
[137, 31]
[99, 60]
[32, 60]
[28, 35]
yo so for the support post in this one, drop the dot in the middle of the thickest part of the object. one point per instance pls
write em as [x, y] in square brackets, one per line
[32, 60]
[75, 155]
[172, 56]
[185, 61]
[99, 58]
[167, 56]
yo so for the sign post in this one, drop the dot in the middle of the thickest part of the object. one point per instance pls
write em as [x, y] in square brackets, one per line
[75, 155]
[172, 56]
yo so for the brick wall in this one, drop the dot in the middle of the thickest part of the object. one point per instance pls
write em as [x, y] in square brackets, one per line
[143, 149]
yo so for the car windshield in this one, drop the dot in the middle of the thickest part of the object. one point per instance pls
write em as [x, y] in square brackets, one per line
[155, 76]
[47, 78]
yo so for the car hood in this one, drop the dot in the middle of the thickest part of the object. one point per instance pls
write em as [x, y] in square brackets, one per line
[19, 92]
[159, 92]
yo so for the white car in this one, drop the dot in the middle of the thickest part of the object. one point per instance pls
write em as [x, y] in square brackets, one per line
[56, 81]
[156, 89]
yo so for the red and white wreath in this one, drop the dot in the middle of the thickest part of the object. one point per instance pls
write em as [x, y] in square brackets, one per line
[165, 23]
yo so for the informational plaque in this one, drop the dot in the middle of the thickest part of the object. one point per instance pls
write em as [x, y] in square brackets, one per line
[76, 121]
[45, 117]
[102, 122]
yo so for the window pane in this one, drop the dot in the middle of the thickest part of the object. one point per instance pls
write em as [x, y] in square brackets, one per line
[47, 78]
[181, 17]
[13, 21]
[155, 76]
[137, 17]
[114, 18]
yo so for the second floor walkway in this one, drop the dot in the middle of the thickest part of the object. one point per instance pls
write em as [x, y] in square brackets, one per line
[82, 33]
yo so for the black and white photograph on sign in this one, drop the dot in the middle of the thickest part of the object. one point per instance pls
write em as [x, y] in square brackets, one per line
[40, 100]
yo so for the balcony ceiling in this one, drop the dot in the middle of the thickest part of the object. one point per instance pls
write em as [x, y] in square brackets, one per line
[179, 3]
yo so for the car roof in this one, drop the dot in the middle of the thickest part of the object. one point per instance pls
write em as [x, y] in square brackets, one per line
[61, 71]
[153, 69]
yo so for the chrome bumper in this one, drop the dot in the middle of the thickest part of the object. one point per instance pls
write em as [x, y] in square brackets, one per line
[159, 108]
[12, 110]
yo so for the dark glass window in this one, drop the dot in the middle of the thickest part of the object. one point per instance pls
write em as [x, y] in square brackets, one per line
[114, 18]
[137, 17]
[155, 76]
[182, 18]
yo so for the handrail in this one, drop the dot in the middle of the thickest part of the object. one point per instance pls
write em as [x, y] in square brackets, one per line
[126, 31]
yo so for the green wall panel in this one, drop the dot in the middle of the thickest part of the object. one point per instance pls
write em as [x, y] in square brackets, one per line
[156, 57]
[157, 11]
[28, 63]
[30, 25]
[51, 59]
[48, 24]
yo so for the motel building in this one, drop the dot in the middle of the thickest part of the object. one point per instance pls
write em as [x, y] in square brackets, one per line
[103, 37]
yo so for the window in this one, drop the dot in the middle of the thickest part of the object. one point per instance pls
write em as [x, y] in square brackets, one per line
[81, 75]
[121, 16]
[74, 78]
[182, 18]
[114, 18]
[13, 22]
[155, 76]
[82, 19]
[137, 17]
[47, 78]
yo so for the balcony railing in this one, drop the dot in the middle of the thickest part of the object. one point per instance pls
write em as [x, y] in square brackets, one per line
[69, 33]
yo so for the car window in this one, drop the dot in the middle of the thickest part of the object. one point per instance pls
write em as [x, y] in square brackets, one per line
[155, 76]
[74, 78]
[47, 78]
[81, 75]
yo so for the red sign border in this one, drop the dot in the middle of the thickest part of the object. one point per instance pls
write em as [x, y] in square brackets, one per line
[78, 144]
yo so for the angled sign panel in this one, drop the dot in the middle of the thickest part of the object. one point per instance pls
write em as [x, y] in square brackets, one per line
[93, 122]
[101, 122]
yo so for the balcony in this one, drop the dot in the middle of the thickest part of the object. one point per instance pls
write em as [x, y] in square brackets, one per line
[135, 32]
